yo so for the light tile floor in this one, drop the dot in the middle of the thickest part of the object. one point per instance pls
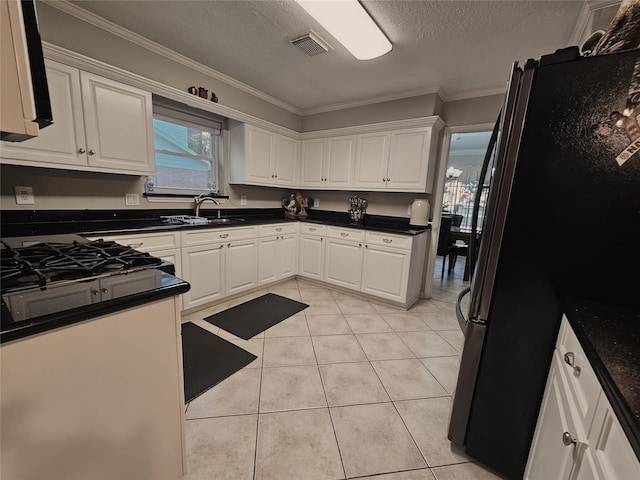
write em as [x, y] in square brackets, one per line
[348, 388]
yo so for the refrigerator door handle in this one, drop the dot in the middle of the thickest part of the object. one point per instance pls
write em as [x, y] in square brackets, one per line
[461, 320]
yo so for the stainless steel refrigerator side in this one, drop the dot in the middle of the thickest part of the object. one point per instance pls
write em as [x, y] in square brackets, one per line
[473, 329]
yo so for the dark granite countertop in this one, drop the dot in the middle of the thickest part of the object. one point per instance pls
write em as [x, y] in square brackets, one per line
[610, 337]
[107, 222]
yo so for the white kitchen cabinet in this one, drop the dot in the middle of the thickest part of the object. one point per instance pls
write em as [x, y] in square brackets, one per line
[241, 265]
[218, 263]
[261, 157]
[400, 160]
[372, 161]
[393, 266]
[99, 125]
[203, 268]
[328, 162]
[277, 252]
[578, 435]
[312, 251]
[344, 257]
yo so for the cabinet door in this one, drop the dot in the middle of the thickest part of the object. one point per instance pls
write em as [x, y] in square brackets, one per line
[203, 268]
[344, 263]
[288, 255]
[549, 456]
[267, 259]
[341, 159]
[372, 158]
[119, 125]
[312, 160]
[61, 142]
[259, 153]
[385, 272]
[312, 256]
[241, 265]
[408, 160]
[286, 160]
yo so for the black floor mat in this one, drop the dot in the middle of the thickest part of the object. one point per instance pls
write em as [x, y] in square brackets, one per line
[208, 359]
[250, 318]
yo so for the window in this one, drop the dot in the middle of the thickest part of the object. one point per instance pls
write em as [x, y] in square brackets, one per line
[187, 150]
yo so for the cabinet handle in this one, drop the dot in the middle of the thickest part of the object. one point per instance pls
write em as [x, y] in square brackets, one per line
[344, 234]
[567, 439]
[82, 150]
[384, 179]
[221, 246]
[569, 359]
[359, 245]
[387, 240]
[224, 235]
[322, 239]
[95, 292]
[276, 175]
[312, 229]
[135, 245]
[104, 290]
[92, 152]
[228, 245]
[279, 229]
[388, 179]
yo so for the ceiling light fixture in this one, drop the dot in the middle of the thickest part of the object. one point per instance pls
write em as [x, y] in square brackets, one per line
[351, 25]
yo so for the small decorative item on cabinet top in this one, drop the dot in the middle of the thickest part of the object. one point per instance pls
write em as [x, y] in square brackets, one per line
[357, 209]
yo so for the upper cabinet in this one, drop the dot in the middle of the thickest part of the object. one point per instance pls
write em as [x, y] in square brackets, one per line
[399, 161]
[99, 125]
[328, 163]
[261, 157]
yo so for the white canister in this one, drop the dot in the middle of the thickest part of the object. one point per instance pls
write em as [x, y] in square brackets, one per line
[419, 212]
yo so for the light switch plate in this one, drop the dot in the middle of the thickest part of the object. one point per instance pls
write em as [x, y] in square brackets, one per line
[24, 195]
[243, 199]
[132, 199]
[316, 203]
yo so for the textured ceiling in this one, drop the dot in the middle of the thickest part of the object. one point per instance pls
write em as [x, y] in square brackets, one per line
[459, 48]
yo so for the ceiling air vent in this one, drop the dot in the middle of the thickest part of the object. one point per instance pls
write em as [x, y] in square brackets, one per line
[310, 43]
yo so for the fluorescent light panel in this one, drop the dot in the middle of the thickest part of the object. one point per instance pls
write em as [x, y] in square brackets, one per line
[350, 24]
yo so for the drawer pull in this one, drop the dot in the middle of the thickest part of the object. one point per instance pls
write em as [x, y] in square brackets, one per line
[279, 229]
[135, 245]
[344, 234]
[312, 229]
[567, 439]
[569, 359]
[224, 235]
[387, 240]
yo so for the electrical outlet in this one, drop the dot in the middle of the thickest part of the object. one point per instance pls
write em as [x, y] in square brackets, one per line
[316, 203]
[243, 199]
[24, 196]
[132, 199]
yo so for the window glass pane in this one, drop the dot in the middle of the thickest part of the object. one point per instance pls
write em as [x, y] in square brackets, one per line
[185, 155]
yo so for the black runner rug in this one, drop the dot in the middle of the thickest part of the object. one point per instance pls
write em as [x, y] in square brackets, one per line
[208, 359]
[250, 318]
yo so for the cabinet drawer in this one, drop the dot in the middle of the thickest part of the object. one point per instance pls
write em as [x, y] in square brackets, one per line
[278, 229]
[204, 237]
[583, 384]
[346, 233]
[389, 240]
[148, 242]
[313, 229]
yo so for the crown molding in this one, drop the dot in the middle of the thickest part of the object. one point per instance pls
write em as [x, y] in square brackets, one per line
[143, 42]
[420, 122]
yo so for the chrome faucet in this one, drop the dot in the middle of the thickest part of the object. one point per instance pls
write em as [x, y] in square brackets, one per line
[200, 199]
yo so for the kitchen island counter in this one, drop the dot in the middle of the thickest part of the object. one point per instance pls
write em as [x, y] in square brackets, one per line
[610, 337]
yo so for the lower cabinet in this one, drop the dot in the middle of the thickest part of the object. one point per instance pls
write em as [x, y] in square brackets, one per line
[344, 255]
[578, 435]
[312, 253]
[277, 252]
[241, 265]
[203, 268]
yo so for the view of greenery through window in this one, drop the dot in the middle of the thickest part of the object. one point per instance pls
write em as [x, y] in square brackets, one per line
[185, 156]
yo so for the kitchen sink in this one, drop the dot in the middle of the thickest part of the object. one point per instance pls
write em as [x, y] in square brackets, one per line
[193, 220]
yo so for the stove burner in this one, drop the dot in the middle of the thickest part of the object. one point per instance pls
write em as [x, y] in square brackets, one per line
[45, 263]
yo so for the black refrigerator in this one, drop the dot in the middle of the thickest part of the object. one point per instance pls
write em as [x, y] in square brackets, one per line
[562, 218]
